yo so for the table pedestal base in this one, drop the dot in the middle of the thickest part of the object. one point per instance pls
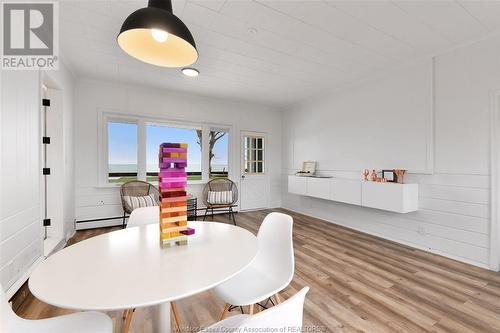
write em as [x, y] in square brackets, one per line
[161, 318]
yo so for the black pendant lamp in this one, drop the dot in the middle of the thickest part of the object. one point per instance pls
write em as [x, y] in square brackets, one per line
[158, 37]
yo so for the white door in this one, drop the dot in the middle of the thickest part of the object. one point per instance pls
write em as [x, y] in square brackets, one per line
[254, 189]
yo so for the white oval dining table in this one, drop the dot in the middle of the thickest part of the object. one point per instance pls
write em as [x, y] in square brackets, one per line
[129, 269]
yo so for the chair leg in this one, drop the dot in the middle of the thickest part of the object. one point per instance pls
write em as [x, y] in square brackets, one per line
[226, 310]
[250, 309]
[212, 214]
[177, 316]
[231, 214]
[123, 222]
[128, 320]
[205, 216]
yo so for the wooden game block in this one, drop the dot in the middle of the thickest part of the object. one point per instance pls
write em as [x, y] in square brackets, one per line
[168, 190]
[174, 219]
[173, 194]
[171, 179]
[167, 166]
[173, 204]
[172, 185]
[180, 240]
[178, 229]
[173, 214]
[173, 160]
[188, 231]
[173, 209]
[173, 172]
[174, 199]
[173, 150]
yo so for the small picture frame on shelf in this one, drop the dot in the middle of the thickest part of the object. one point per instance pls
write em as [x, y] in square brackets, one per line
[389, 176]
[309, 167]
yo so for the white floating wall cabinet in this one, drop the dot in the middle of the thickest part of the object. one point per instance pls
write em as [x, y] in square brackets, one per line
[318, 187]
[297, 185]
[400, 198]
[346, 190]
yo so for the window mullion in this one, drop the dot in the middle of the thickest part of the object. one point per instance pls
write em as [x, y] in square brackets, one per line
[141, 150]
[204, 153]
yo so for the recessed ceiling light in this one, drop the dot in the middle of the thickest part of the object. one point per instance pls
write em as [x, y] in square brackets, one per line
[252, 31]
[191, 72]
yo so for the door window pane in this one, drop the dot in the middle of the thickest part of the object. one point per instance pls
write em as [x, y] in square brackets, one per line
[122, 152]
[158, 134]
[254, 155]
[218, 154]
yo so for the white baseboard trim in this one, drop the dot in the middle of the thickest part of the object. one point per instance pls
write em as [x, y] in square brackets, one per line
[18, 284]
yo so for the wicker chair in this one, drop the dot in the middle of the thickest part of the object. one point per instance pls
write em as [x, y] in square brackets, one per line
[220, 185]
[136, 188]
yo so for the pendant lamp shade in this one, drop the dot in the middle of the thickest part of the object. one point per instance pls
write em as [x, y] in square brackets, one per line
[158, 37]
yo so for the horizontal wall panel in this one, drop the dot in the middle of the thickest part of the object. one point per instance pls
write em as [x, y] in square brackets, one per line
[20, 264]
[96, 200]
[477, 181]
[467, 237]
[462, 208]
[12, 246]
[462, 222]
[455, 193]
[14, 223]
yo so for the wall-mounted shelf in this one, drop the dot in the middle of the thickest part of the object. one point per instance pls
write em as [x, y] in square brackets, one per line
[394, 197]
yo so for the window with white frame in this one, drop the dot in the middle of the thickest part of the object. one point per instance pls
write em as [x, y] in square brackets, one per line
[122, 151]
[133, 142]
[218, 153]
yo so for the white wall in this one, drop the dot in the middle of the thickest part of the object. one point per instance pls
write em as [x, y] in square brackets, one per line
[20, 224]
[430, 118]
[21, 231]
[60, 157]
[93, 97]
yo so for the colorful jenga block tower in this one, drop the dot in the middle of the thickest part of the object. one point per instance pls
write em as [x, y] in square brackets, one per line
[172, 181]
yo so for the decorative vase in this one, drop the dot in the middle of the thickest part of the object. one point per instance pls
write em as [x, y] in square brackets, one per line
[374, 176]
[366, 172]
[399, 175]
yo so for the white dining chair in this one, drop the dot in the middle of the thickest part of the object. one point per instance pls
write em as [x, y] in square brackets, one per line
[285, 317]
[143, 216]
[81, 322]
[138, 217]
[269, 273]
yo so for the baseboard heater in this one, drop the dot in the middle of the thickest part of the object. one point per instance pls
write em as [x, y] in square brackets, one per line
[121, 217]
[101, 219]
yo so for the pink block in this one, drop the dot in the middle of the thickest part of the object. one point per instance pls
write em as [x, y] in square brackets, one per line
[174, 150]
[172, 179]
[188, 231]
[173, 160]
[178, 165]
[172, 185]
[170, 173]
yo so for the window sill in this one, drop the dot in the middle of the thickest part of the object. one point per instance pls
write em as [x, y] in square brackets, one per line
[118, 185]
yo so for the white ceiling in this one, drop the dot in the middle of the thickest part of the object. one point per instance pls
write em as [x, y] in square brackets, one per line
[300, 48]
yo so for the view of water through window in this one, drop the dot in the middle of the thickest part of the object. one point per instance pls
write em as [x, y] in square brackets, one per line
[123, 150]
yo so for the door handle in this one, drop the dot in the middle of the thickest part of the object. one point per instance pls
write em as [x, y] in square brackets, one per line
[242, 176]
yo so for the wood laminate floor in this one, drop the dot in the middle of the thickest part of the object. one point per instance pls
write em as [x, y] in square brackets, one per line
[359, 283]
